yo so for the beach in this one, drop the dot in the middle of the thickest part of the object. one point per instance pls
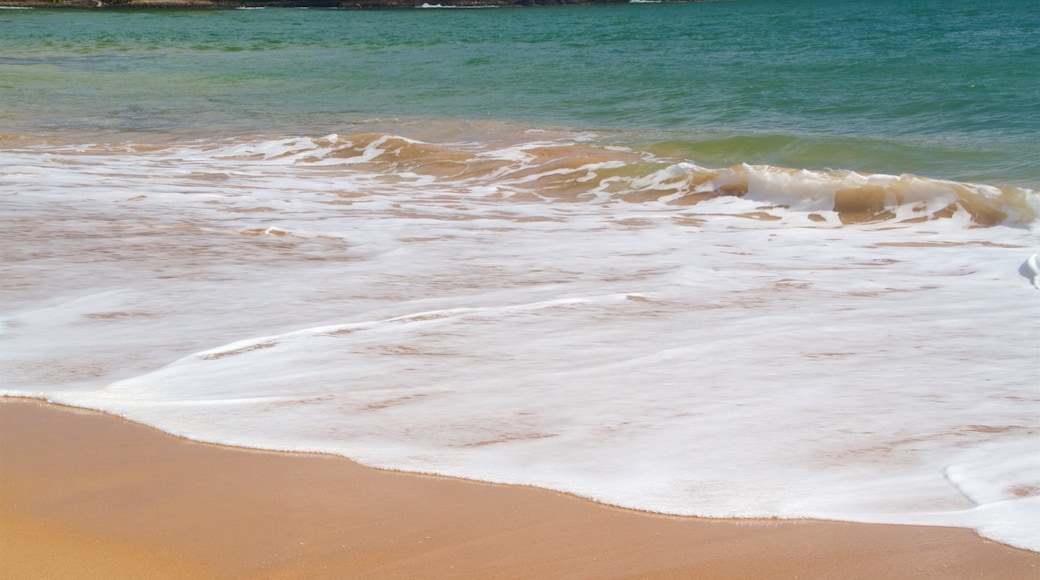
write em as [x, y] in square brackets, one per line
[87, 495]
[382, 292]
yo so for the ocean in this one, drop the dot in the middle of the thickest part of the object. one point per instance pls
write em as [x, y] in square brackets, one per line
[748, 259]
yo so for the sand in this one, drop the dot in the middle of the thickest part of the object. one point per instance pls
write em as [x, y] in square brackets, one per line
[86, 495]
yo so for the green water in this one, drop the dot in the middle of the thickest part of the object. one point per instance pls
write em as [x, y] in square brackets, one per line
[946, 89]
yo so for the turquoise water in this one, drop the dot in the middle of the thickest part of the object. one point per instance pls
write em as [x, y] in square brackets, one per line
[944, 89]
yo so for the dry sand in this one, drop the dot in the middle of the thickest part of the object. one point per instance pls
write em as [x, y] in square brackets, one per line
[86, 495]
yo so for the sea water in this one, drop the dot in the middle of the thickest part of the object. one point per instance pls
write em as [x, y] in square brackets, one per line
[734, 259]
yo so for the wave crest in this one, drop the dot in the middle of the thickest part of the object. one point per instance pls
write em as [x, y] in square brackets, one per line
[578, 170]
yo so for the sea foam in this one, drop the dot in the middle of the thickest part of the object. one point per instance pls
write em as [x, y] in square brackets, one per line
[732, 342]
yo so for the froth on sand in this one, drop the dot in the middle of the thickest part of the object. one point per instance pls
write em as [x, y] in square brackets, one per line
[87, 495]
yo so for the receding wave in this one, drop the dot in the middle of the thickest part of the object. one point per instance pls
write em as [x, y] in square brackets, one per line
[762, 341]
[576, 171]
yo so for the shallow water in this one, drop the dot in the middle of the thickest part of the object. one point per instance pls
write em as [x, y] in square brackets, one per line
[943, 90]
[614, 274]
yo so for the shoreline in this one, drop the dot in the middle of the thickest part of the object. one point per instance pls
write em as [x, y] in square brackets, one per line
[107, 497]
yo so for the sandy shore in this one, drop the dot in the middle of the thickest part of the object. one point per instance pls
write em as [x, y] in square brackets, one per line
[85, 495]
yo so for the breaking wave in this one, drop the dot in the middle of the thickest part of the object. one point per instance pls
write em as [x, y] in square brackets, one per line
[576, 171]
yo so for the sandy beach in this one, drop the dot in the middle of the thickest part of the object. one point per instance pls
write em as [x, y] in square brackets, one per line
[86, 495]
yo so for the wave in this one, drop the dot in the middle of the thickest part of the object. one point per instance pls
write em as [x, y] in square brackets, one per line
[577, 171]
[580, 168]
[743, 341]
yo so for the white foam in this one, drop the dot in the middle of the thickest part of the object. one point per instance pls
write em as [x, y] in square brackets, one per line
[682, 359]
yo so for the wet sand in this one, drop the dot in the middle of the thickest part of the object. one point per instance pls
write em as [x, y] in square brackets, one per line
[86, 495]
